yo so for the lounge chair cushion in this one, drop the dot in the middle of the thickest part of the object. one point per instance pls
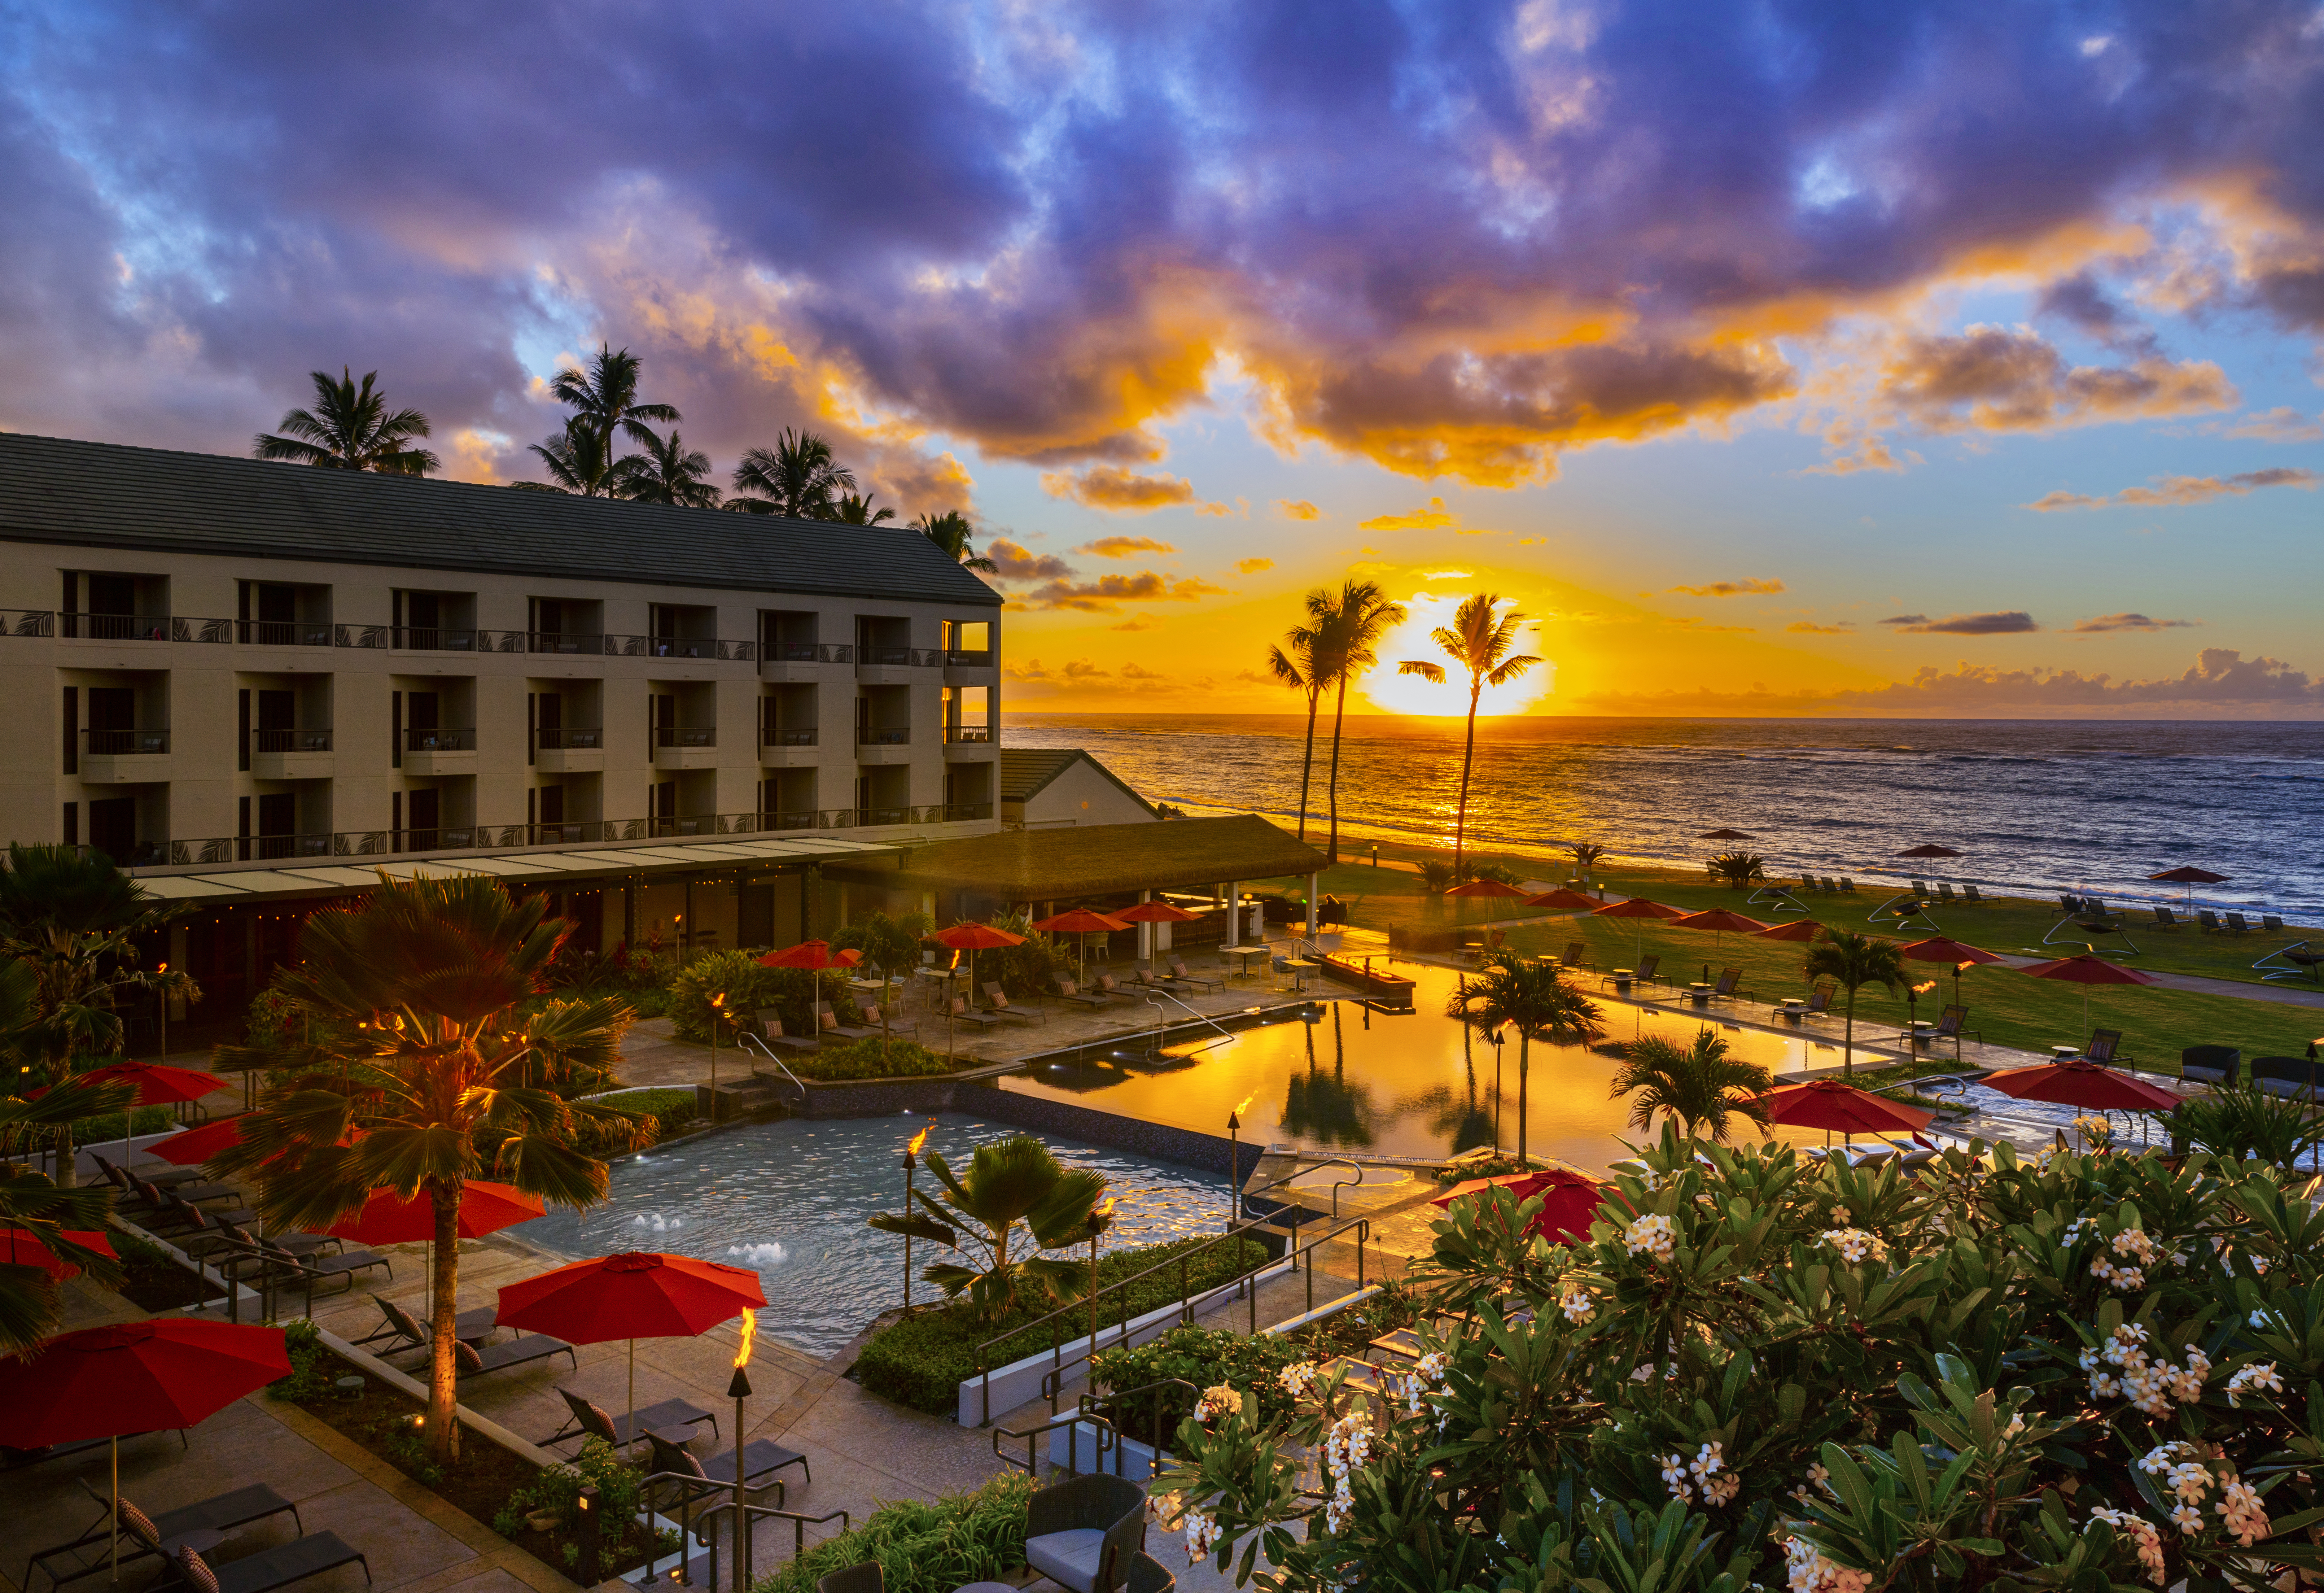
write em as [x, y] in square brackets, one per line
[294, 1562]
[1070, 1557]
[494, 1357]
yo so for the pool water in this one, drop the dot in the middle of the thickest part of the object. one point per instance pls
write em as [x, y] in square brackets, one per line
[788, 1200]
[1342, 1077]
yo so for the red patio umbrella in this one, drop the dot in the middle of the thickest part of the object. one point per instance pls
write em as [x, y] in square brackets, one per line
[1798, 928]
[1570, 1200]
[2191, 876]
[813, 956]
[1929, 849]
[1487, 887]
[2084, 969]
[386, 1218]
[21, 1248]
[157, 1084]
[1156, 912]
[634, 1295]
[199, 1144]
[1564, 900]
[1640, 909]
[1719, 921]
[1083, 921]
[132, 1378]
[2085, 1084]
[1829, 1105]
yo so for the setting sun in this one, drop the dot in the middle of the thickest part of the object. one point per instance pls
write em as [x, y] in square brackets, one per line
[1396, 693]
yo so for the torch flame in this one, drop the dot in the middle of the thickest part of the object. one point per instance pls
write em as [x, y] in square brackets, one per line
[749, 1333]
[919, 1139]
[1245, 1107]
[1924, 989]
[1106, 1210]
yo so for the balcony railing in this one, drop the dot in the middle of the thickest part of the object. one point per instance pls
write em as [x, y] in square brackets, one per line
[184, 628]
[686, 735]
[912, 657]
[570, 738]
[286, 632]
[782, 735]
[245, 849]
[441, 639]
[976, 733]
[119, 743]
[695, 647]
[28, 622]
[886, 736]
[960, 660]
[956, 812]
[809, 653]
[115, 627]
[415, 739]
[579, 642]
[292, 740]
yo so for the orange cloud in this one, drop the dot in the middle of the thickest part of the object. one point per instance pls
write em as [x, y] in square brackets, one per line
[2131, 622]
[1733, 589]
[1808, 628]
[2176, 492]
[1435, 517]
[1114, 487]
[1106, 594]
[2006, 379]
[1124, 547]
[1252, 566]
[1016, 562]
[1297, 509]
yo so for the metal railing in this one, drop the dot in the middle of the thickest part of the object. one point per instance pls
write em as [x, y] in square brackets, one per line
[686, 735]
[959, 660]
[751, 1045]
[124, 743]
[286, 633]
[705, 648]
[280, 741]
[115, 627]
[571, 642]
[781, 735]
[749, 1514]
[372, 636]
[183, 628]
[809, 653]
[909, 657]
[960, 812]
[903, 815]
[981, 734]
[438, 738]
[1299, 1173]
[883, 735]
[28, 622]
[570, 738]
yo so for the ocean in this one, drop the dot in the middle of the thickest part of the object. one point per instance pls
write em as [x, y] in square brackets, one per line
[2036, 806]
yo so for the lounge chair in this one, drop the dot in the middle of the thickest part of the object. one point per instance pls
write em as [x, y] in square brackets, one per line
[2236, 924]
[1950, 1024]
[762, 1458]
[895, 1020]
[864, 1577]
[2106, 1048]
[405, 1331]
[297, 1244]
[520, 1351]
[674, 1419]
[221, 1512]
[1108, 984]
[207, 1232]
[163, 1178]
[2096, 907]
[2270, 924]
[962, 1013]
[1945, 891]
[1726, 989]
[1920, 888]
[2210, 1064]
[1820, 1000]
[2164, 919]
[1577, 955]
[154, 1194]
[1182, 975]
[1080, 1533]
[832, 1028]
[1969, 895]
[311, 1270]
[996, 1001]
[769, 1026]
[269, 1569]
[1069, 991]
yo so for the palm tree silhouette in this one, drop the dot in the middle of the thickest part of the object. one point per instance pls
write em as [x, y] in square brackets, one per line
[667, 472]
[951, 530]
[798, 477]
[1699, 1085]
[1294, 663]
[1852, 961]
[851, 510]
[1531, 998]
[1349, 628]
[1478, 641]
[604, 399]
[350, 428]
[579, 462]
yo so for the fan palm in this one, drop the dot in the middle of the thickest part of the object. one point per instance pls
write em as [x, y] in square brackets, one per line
[603, 399]
[951, 530]
[64, 887]
[1738, 869]
[851, 510]
[1293, 664]
[798, 477]
[1349, 628]
[426, 1030]
[1532, 998]
[1009, 1182]
[350, 427]
[669, 472]
[1852, 961]
[1699, 1085]
[1479, 639]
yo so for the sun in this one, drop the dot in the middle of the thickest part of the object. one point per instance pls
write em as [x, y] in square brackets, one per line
[1393, 693]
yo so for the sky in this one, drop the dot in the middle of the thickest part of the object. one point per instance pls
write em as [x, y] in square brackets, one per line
[1768, 358]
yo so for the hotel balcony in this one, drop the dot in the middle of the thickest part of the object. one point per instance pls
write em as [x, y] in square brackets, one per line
[125, 757]
[807, 661]
[685, 746]
[291, 755]
[884, 743]
[786, 747]
[439, 751]
[572, 750]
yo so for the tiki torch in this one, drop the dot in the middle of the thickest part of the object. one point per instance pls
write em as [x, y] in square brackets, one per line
[739, 1390]
[912, 1160]
[717, 1013]
[1234, 1161]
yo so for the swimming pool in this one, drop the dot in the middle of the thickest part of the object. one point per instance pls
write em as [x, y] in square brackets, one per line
[788, 1200]
[1342, 1077]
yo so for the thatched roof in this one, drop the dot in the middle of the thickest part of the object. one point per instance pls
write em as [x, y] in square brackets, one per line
[1098, 859]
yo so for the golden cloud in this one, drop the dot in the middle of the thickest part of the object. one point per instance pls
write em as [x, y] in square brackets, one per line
[1115, 488]
[2012, 379]
[1809, 628]
[2176, 492]
[1435, 517]
[1124, 547]
[1297, 509]
[1253, 566]
[1733, 589]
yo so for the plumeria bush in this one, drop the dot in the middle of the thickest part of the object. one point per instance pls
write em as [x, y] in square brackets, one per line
[2097, 1372]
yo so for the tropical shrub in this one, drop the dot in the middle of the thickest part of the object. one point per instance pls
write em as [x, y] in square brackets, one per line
[558, 1488]
[1029, 970]
[1738, 869]
[1498, 873]
[2242, 1123]
[748, 987]
[2092, 1372]
[1436, 877]
[924, 1548]
[1009, 1182]
[870, 1059]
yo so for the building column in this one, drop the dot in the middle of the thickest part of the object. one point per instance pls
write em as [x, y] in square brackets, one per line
[1312, 905]
[1145, 932]
[1234, 913]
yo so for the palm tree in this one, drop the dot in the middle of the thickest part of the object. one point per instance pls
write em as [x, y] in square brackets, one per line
[851, 510]
[1009, 1182]
[579, 463]
[427, 1028]
[1586, 855]
[1478, 641]
[1699, 1085]
[604, 399]
[1852, 961]
[667, 472]
[951, 530]
[798, 477]
[1532, 998]
[350, 428]
[1349, 628]
[1294, 663]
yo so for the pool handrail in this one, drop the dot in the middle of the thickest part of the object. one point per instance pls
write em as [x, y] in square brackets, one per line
[1154, 996]
[749, 1514]
[752, 1042]
[1345, 1183]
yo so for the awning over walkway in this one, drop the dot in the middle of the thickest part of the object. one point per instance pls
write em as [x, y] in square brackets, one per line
[1061, 864]
[535, 868]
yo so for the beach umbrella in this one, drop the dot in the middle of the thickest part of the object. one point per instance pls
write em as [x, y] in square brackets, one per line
[1570, 1199]
[1639, 909]
[1562, 900]
[970, 938]
[1080, 922]
[1945, 948]
[1719, 922]
[1832, 1105]
[22, 1247]
[132, 1378]
[813, 956]
[1156, 912]
[1723, 835]
[632, 1295]
[387, 1218]
[2084, 1084]
[157, 1084]
[1487, 887]
[199, 1144]
[1929, 849]
[1798, 928]
[2191, 876]
[2086, 970]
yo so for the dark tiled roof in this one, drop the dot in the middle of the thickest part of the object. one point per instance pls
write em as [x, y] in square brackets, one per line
[101, 494]
[1096, 859]
[1026, 771]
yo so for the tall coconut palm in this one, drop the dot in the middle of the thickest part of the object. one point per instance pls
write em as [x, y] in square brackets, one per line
[1531, 998]
[1009, 1182]
[951, 532]
[669, 472]
[1294, 663]
[1699, 1085]
[854, 510]
[1852, 961]
[579, 462]
[799, 476]
[1479, 639]
[350, 427]
[428, 1029]
[603, 399]
[1350, 628]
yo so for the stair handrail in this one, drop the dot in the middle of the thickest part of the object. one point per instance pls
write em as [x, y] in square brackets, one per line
[752, 1042]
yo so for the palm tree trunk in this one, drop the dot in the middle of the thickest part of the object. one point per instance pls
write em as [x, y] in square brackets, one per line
[1339, 713]
[443, 1371]
[1468, 756]
[1307, 764]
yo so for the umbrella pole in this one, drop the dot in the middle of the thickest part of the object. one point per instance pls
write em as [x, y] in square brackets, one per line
[113, 1522]
[632, 1428]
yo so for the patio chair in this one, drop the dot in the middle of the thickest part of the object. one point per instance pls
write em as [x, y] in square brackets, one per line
[1112, 987]
[674, 1419]
[1920, 888]
[2212, 1064]
[762, 1458]
[832, 1028]
[2106, 1048]
[996, 1001]
[297, 1244]
[308, 1271]
[865, 1578]
[1069, 991]
[155, 1195]
[1180, 973]
[1080, 1533]
[164, 1178]
[1847, 885]
[2068, 905]
[1950, 1024]
[207, 1231]
[896, 1023]
[1577, 955]
[1945, 891]
[221, 1512]
[269, 1569]
[770, 1025]
[1820, 1000]
[2270, 924]
[405, 1331]
[1148, 1575]
[520, 1351]
[1969, 895]
[2164, 919]
[2237, 925]
[962, 1013]
[2207, 921]
[1726, 989]
[2096, 907]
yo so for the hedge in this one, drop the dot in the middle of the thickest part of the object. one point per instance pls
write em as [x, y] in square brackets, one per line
[923, 1548]
[922, 1360]
[869, 1058]
[671, 1109]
